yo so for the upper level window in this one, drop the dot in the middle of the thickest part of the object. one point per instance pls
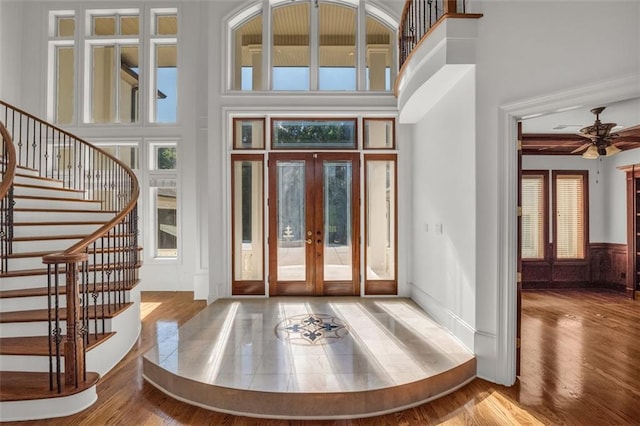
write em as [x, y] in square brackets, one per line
[62, 52]
[164, 59]
[109, 77]
[314, 46]
[113, 66]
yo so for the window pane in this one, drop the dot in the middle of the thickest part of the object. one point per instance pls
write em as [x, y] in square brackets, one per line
[378, 133]
[128, 154]
[248, 133]
[337, 47]
[166, 25]
[380, 219]
[103, 90]
[104, 25]
[291, 47]
[380, 44]
[291, 214]
[66, 26]
[338, 251]
[166, 222]
[166, 158]
[290, 78]
[129, 85]
[166, 84]
[248, 55]
[129, 25]
[570, 224]
[248, 220]
[533, 212]
[64, 84]
[314, 133]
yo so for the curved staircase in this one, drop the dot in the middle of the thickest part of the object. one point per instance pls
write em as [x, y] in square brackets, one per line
[68, 245]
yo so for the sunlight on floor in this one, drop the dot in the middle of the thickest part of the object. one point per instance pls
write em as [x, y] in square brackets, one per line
[147, 307]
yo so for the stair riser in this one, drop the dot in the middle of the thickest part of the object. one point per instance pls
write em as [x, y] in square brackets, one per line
[45, 191]
[52, 230]
[29, 362]
[31, 281]
[58, 244]
[41, 328]
[33, 180]
[29, 203]
[40, 302]
[67, 216]
[36, 262]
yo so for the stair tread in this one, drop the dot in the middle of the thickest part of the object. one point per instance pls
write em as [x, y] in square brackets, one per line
[26, 254]
[39, 345]
[26, 386]
[39, 178]
[43, 291]
[43, 271]
[48, 188]
[50, 237]
[61, 223]
[26, 209]
[35, 197]
[37, 315]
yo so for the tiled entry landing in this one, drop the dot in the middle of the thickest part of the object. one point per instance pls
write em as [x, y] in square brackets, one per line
[313, 358]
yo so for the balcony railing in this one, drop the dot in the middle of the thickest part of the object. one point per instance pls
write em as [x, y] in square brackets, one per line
[419, 17]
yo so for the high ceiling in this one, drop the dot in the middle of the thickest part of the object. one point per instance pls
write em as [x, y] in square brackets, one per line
[558, 133]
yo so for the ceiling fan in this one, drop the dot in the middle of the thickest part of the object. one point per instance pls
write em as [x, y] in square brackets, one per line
[600, 138]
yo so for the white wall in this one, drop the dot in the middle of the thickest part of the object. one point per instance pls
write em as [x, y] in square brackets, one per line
[444, 207]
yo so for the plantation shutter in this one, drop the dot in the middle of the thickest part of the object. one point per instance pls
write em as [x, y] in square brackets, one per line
[570, 217]
[533, 238]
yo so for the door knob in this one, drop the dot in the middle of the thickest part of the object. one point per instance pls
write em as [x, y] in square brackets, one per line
[309, 241]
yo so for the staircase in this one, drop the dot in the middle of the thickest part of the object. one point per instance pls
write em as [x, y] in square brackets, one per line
[68, 240]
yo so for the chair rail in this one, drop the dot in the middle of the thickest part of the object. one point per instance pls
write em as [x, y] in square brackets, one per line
[97, 271]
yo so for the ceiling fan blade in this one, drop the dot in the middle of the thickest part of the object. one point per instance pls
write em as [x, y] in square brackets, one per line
[633, 130]
[581, 148]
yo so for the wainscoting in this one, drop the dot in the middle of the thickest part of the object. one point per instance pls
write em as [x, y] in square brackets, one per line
[604, 267]
[608, 263]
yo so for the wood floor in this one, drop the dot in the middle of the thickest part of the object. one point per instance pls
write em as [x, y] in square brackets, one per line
[580, 366]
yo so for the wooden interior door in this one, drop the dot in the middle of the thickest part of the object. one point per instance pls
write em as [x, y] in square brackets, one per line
[314, 224]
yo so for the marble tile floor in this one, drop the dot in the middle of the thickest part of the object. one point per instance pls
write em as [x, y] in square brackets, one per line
[281, 349]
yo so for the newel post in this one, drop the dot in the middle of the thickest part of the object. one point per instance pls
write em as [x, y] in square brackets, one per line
[73, 350]
[451, 6]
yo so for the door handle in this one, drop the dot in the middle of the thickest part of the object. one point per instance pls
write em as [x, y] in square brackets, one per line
[309, 241]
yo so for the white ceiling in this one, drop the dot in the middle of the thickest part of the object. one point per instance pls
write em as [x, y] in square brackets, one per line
[624, 113]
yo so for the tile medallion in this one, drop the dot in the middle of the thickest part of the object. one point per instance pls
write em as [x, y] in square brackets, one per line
[311, 329]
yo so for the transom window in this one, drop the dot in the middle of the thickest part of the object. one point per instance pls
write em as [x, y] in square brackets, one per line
[312, 46]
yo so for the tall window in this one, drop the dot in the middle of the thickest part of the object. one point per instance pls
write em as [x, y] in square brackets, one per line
[163, 163]
[62, 28]
[113, 66]
[534, 213]
[315, 45]
[164, 59]
[569, 214]
[570, 208]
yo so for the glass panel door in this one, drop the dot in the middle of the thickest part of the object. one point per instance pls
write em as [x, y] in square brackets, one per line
[314, 224]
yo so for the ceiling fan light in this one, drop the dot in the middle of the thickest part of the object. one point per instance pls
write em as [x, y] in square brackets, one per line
[612, 150]
[591, 153]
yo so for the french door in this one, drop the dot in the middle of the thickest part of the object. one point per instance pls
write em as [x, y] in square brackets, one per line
[314, 224]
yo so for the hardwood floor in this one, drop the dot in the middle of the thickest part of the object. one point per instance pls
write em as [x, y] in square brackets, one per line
[580, 366]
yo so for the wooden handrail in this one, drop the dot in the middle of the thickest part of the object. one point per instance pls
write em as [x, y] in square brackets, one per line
[9, 161]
